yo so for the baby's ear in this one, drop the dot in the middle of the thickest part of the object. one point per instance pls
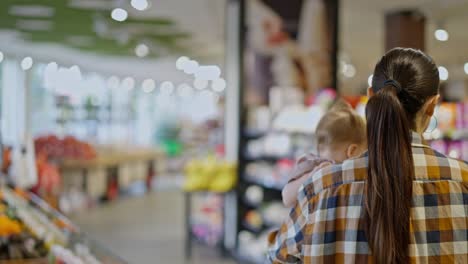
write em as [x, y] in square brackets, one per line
[352, 151]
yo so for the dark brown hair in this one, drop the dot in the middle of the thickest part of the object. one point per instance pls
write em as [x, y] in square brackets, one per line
[403, 81]
[341, 124]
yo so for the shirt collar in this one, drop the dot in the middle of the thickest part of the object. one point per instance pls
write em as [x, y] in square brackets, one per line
[417, 140]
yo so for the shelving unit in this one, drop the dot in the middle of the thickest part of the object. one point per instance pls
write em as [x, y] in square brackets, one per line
[271, 190]
[190, 237]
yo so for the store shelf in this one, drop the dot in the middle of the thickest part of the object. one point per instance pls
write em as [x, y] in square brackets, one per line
[252, 181]
[271, 225]
[252, 229]
[249, 204]
[253, 134]
[457, 135]
[268, 158]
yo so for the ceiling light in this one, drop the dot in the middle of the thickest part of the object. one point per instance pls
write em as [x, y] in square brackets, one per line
[34, 24]
[369, 80]
[167, 88]
[181, 61]
[191, 67]
[26, 63]
[184, 90]
[210, 72]
[139, 4]
[128, 83]
[200, 84]
[93, 5]
[349, 70]
[441, 34]
[75, 72]
[443, 73]
[141, 50]
[466, 68]
[148, 85]
[31, 11]
[119, 14]
[218, 85]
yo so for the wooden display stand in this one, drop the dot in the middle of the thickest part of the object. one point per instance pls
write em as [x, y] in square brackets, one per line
[112, 168]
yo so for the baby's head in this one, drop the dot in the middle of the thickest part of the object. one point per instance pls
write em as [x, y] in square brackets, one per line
[341, 133]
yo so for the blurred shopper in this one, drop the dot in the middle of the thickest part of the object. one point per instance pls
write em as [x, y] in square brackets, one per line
[341, 135]
[401, 202]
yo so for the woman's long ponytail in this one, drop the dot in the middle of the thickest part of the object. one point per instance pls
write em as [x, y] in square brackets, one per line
[389, 185]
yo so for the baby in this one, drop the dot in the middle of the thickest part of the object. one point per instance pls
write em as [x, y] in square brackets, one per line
[341, 135]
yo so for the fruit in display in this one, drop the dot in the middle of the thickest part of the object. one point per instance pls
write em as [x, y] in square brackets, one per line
[48, 176]
[209, 174]
[225, 179]
[8, 226]
[68, 147]
[16, 242]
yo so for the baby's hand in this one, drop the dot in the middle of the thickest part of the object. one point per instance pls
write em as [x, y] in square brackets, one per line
[307, 164]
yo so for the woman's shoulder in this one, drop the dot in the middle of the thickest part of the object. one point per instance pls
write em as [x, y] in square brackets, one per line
[433, 165]
[350, 171]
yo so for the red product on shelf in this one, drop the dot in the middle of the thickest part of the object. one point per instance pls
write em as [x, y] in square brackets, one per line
[48, 176]
[352, 100]
[68, 147]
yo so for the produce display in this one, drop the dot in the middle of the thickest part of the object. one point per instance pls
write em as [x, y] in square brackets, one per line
[31, 230]
[21, 237]
[210, 174]
[68, 147]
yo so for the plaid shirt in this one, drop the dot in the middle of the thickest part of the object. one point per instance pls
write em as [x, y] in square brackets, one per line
[326, 225]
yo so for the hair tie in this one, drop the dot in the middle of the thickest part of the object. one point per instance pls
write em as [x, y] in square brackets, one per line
[395, 84]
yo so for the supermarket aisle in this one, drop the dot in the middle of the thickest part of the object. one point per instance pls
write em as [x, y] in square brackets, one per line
[148, 229]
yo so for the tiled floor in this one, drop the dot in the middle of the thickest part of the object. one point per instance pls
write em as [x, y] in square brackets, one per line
[148, 229]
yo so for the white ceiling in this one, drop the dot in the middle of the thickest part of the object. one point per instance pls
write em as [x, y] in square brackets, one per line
[204, 19]
[361, 37]
[362, 34]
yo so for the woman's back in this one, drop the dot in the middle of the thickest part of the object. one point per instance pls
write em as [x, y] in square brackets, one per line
[332, 213]
[402, 202]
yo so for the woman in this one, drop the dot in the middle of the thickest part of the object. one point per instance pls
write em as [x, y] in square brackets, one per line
[401, 202]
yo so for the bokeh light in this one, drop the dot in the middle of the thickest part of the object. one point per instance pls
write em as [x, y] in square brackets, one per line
[441, 35]
[128, 83]
[27, 63]
[139, 5]
[148, 85]
[200, 84]
[218, 85]
[119, 14]
[167, 88]
[141, 50]
[443, 73]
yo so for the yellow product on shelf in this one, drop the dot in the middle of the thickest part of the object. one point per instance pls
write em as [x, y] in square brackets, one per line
[226, 178]
[210, 174]
[8, 226]
[196, 179]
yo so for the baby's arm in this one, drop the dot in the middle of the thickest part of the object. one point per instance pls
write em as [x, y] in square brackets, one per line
[291, 189]
[289, 192]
